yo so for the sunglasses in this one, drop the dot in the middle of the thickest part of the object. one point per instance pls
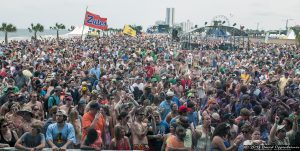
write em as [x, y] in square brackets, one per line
[6, 125]
[245, 132]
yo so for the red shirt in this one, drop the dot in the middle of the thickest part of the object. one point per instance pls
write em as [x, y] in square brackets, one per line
[149, 71]
[3, 74]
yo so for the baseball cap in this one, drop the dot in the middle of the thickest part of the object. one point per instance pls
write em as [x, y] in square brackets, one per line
[190, 95]
[183, 109]
[63, 112]
[215, 116]
[170, 93]
[95, 105]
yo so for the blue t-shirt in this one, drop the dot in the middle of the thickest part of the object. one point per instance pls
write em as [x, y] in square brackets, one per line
[163, 128]
[59, 138]
[193, 118]
[166, 109]
[96, 71]
[31, 141]
[173, 120]
[176, 100]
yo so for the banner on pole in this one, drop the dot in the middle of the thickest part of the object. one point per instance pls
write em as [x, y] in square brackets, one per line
[95, 21]
[129, 31]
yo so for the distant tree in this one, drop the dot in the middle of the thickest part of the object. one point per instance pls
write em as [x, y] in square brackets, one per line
[298, 38]
[71, 28]
[58, 27]
[138, 28]
[6, 28]
[119, 30]
[109, 30]
[98, 31]
[36, 28]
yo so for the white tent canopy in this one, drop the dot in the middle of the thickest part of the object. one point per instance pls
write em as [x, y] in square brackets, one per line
[78, 31]
[291, 34]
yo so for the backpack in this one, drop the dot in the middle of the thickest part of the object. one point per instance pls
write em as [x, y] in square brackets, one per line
[46, 103]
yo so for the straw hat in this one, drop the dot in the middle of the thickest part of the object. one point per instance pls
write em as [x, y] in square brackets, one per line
[27, 73]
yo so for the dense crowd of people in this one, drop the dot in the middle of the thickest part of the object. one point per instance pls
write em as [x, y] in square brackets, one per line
[145, 93]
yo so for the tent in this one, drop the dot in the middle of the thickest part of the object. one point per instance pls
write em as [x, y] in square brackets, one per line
[291, 34]
[78, 31]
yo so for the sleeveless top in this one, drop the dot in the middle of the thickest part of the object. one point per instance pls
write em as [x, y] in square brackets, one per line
[226, 143]
[123, 145]
[11, 143]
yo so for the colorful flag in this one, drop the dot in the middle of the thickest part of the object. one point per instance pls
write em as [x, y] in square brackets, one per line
[95, 21]
[129, 31]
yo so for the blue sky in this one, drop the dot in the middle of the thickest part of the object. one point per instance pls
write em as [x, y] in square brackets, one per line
[270, 14]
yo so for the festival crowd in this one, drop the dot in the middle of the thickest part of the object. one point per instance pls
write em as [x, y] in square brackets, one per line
[145, 93]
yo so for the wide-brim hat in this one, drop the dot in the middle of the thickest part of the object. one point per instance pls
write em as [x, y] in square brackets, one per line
[27, 73]
[25, 110]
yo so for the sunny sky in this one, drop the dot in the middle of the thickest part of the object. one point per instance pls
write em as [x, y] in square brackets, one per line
[270, 14]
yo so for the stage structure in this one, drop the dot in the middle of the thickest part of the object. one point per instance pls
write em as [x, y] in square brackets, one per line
[219, 29]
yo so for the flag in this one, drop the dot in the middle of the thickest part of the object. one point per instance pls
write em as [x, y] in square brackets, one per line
[129, 31]
[95, 21]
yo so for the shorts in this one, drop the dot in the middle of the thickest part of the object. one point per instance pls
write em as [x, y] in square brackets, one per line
[143, 147]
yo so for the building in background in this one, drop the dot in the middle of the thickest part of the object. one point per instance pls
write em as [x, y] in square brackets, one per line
[170, 16]
[186, 26]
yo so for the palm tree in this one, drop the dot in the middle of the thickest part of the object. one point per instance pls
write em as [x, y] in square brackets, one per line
[110, 30]
[6, 28]
[71, 28]
[58, 27]
[98, 31]
[36, 28]
[137, 28]
[118, 30]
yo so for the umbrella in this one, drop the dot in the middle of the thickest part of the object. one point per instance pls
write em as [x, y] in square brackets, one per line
[27, 73]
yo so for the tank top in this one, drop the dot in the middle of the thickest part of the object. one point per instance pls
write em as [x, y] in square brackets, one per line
[11, 143]
[122, 145]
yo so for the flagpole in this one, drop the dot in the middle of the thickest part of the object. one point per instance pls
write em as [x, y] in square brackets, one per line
[83, 22]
